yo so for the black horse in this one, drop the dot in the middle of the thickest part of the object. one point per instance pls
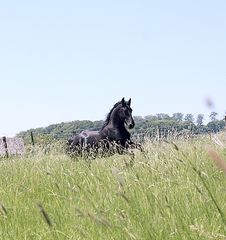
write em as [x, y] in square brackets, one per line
[113, 132]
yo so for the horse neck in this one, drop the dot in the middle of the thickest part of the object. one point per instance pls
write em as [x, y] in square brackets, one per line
[116, 122]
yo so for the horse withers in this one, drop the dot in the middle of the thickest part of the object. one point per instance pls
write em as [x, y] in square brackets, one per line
[112, 136]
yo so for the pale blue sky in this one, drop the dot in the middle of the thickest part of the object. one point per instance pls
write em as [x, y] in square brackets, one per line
[68, 60]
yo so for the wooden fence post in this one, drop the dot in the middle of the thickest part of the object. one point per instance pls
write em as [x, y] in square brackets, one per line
[32, 139]
[6, 147]
[158, 133]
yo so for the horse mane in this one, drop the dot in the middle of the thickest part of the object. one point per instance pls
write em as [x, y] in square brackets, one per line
[109, 115]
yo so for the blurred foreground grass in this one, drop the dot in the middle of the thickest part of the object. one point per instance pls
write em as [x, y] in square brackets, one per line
[172, 191]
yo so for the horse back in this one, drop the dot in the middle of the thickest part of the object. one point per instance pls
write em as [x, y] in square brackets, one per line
[84, 138]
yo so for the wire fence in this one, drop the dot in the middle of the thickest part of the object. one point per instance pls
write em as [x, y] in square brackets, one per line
[11, 146]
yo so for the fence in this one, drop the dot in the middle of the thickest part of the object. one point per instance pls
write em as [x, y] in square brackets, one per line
[11, 146]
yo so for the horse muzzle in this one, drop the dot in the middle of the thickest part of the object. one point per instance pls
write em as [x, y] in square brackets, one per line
[131, 125]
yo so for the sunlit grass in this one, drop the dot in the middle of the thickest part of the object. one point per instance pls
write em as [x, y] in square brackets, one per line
[173, 190]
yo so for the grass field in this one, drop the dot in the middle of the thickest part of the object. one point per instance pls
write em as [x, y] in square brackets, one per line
[172, 190]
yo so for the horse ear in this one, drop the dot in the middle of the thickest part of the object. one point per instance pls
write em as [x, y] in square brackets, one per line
[129, 102]
[123, 101]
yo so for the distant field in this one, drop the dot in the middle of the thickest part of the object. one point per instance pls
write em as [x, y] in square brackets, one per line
[170, 191]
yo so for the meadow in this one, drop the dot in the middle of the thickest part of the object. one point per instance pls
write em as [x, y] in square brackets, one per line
[172, 190]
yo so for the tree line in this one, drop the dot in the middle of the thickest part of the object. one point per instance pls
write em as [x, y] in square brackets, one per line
[160, 125]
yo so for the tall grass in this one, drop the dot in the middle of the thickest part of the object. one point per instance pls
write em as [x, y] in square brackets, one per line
[173, 190]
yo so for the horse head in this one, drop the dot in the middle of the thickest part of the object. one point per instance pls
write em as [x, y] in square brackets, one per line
[125, 113]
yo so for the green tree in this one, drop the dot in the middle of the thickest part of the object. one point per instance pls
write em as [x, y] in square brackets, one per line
[213, 116]
[189, 117]
[162, 116]
[178, 117]
[150, 117]
[199, 120]
[216, 126]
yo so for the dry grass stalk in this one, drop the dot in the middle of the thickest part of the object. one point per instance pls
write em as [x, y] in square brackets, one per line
[119, 176]
[3, 209]
[99, 220]
[45, 215]
[122, 194]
